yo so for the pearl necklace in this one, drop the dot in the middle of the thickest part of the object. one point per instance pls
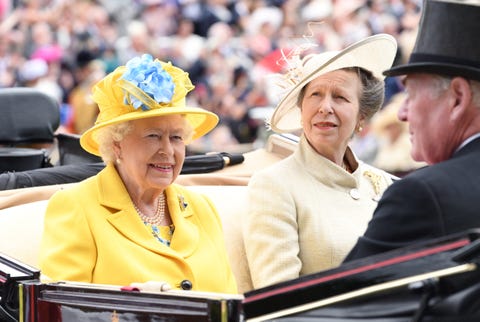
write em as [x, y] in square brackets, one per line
[159, 216]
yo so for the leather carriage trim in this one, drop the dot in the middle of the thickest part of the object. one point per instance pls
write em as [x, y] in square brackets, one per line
[395, 260]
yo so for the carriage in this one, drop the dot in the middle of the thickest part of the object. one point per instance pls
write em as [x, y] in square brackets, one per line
[432, 281]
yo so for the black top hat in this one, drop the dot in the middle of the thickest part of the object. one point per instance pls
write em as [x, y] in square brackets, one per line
[447, 41]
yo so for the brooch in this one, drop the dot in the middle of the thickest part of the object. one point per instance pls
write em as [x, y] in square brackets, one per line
[375, 181]
[181, 202]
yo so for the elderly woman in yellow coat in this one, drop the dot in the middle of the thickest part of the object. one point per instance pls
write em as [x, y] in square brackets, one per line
[307, 211]
[131, 224]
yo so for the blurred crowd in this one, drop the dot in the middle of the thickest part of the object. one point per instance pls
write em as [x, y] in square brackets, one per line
[230, 48]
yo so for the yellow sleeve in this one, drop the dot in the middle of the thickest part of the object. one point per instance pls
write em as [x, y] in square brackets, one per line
[67, 249]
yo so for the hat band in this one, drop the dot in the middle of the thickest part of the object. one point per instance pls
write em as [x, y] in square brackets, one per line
[429, 58]
[145, 98]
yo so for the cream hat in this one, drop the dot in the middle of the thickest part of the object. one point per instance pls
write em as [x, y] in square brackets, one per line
[375, 54]
[144, 88]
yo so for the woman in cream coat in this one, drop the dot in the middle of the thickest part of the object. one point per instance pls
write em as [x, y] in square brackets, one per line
[307, 211]
[130, 224]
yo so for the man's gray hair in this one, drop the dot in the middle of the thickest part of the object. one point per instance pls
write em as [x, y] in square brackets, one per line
[441, 84]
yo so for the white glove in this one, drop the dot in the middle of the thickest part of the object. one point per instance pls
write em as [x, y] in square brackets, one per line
[152, 286]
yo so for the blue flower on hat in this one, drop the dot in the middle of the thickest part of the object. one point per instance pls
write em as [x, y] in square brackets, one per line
[151, 78]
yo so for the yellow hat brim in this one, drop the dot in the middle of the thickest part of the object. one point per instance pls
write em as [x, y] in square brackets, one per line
[202, 122]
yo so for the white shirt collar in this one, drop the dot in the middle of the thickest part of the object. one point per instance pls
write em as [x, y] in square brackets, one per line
[468, 140]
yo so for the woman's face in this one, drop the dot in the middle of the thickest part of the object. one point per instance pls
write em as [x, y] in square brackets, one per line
[151, 155]
[330, 111]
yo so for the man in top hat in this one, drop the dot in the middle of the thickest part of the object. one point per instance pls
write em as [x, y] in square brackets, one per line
[442, 108]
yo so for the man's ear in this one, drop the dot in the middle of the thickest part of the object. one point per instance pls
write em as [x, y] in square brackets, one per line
[461, 97]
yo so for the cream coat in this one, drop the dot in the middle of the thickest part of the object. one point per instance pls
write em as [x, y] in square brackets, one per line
[93, 234]
[306, 213]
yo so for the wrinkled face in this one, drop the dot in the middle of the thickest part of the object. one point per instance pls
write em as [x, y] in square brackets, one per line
[152, 153]
[330, 111]
[426, 112]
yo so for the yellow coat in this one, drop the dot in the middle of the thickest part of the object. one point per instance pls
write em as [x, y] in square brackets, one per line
[93, 234]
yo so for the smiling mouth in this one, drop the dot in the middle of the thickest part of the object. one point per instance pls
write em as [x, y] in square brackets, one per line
[162, 167]
[325, 124]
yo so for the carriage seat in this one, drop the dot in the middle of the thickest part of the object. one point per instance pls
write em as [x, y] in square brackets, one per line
[21, 228]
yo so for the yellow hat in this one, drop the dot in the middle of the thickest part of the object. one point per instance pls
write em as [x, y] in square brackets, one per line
[144, 88]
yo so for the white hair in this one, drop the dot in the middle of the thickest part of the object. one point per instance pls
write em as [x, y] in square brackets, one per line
[108, 135]
[476, 92]
[441, 84]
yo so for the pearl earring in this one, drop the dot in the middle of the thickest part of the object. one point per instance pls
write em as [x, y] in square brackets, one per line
[118, 161]
[360, 128]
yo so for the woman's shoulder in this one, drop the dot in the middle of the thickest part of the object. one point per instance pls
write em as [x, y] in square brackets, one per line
[184, 190]
[283, 167]
[190, 193]
[193, 199]
[79, 193]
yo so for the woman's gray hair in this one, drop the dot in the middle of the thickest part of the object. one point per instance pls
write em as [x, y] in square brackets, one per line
[109, 135]
[372, 93]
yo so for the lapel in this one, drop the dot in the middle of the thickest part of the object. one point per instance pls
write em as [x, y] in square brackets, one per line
[122, 216]
[181, 206]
